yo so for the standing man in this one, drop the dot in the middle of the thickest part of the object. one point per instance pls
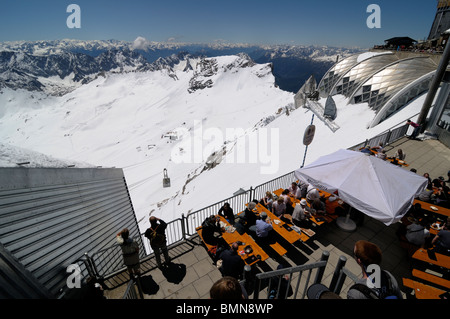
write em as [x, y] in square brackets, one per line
[157, 236]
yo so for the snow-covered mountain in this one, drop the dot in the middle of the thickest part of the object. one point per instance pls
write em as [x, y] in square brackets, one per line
[58, 67]
[217, 124]
[96, 47]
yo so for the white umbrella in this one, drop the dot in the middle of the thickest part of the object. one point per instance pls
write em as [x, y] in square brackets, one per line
[373, 186]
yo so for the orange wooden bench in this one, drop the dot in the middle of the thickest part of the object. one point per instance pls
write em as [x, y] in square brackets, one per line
[423, 291]
[441, 260]
[431, 278]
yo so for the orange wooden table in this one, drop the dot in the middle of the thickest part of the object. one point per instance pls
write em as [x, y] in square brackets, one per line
[278, 225]
[232, 237]
[427, 206]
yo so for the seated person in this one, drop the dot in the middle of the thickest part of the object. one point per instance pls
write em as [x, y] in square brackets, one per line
[400, 155]
[312, 194]
[267, 201]
[250, 217]
[366, 150]
[318, 207]
[263, 226]
[382, 155]
[415, 211]
[331, 204]
[430, 183]
[279, 207]
[378, 148]
[299, 216]
[285, 195]
[210, 226]
[232, 263]
[289, 206]
[293, 189]
[426, 195]
[303, 188]
[442, 196]
[442, 239]
[227, 212]
[416, 234]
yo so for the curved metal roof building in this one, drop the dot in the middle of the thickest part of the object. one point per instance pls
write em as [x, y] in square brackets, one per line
[384, 80]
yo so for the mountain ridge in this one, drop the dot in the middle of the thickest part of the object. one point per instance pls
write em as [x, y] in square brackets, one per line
[86, 60]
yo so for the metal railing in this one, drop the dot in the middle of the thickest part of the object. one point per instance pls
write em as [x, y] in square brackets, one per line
[386, 138]
[270, 277]
[134, 290]
[195, 219]
[339, 276]
[280, 182]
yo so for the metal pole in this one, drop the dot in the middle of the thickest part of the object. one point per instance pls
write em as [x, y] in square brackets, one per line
[435, 83]
[321, 270]
[337, 273]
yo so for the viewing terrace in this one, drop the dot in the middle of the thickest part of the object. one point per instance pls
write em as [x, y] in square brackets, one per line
[192, 272]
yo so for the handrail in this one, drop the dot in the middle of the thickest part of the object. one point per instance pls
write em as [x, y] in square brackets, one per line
[320, 266]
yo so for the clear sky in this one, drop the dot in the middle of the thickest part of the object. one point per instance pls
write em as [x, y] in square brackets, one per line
[326, 22]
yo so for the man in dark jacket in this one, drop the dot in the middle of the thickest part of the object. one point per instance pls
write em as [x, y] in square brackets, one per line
[158, 241]
[227, 212]
[210, 226]
[232, 263]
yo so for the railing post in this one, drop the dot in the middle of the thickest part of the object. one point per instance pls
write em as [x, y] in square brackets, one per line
[186, 223]
[137, 280]
[321, 270]
[388, 138]
[250, 194]
[337, 274]
[183, 226]
[90, 266]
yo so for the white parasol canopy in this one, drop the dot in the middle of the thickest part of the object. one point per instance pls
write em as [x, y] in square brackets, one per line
[375, 187]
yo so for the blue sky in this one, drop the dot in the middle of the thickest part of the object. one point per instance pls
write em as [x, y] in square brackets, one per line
[326, 22]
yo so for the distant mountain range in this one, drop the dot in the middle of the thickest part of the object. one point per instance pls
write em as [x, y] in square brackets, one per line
[58, 67]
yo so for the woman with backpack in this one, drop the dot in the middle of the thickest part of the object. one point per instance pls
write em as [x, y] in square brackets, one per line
[130, 252]
[157, 236]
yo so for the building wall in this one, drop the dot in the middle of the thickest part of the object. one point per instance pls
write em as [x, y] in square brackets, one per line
[50, 217]
[441, 21]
